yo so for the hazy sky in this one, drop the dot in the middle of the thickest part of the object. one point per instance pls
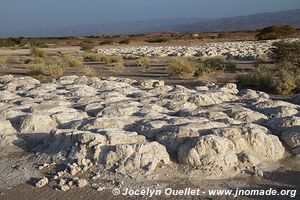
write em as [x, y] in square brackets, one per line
[26, 14]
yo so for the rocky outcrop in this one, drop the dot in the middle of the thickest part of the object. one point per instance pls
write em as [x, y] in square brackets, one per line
[126, 126]
[245, 50]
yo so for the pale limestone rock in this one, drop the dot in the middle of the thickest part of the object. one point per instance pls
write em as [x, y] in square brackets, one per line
[42, 182]
[131, 157]
[291, 136]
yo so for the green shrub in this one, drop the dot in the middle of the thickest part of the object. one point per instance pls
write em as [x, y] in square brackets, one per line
[276, 32]
[182, 67]
[286, 83]
[259, 78]
[125, 41]
[37, 52]
[215, 64]
[286, 52]
[106, 42]
[87, 45]
[9, 42]
[156, 40]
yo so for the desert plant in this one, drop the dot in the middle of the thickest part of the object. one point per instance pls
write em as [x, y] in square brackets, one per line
[286, 82]
[51, 69]
[275, 32]
[9, 42]
[214, 64]
[106, 42]
[73, 61]
[156, 40]
[3, 60]
[88, 71]
[182, 67]
[125, 41]
[260, 78]
[37, 52]
[38, 44]
[87, 45]
[142, 62]
[118, 67]
[283, 52]
[114, 59]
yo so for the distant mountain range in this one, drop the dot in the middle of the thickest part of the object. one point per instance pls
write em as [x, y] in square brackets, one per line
[249, 22]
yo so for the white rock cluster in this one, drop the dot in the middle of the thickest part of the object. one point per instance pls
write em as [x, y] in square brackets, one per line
[127, 125]
[242, 50]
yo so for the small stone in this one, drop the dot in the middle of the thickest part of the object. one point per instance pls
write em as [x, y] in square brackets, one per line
[81, 183]
[42, 182]
[64, 188]
[99, 189]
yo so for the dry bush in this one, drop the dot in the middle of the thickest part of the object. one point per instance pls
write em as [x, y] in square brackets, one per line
[142, 62]
[125, 41]
[88, 71]
[118, 67]
[114, 59]
[36, 60]
[214, 64]
[51, 69]
[87, 45]
[36, 52]
[3, 60]
[182, 67]
[157, 40]
[286, 52]
[280, 81]
[276, 32]
[73, 61]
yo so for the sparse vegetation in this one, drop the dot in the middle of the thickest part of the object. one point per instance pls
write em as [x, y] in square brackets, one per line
[286, 52]
[2, 61]
[51, 69]
[157, 40]
[88, 71]
[182, 67]
[276, 32]
[260, 78]
[192, 67]
[87, 45]
[37, 52]
[11, 42]
[106, 42]
[284, 78]
[38, 44]
[214, 64]
[125, 41]
[73, 61]
[142, 61]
